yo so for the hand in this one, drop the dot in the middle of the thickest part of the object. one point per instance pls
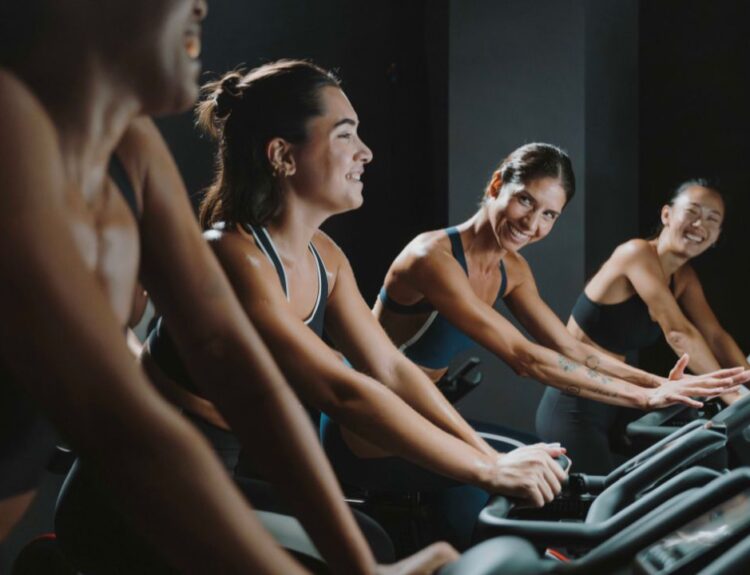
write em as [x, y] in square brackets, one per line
[681, 388]
[736, 375]
[529, 473]
[424, 562]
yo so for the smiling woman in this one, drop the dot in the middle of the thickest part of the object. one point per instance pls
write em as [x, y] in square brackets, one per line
[645, 290]
[438, 296]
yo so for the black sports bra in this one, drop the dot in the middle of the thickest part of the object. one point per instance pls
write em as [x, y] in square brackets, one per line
[619, 327]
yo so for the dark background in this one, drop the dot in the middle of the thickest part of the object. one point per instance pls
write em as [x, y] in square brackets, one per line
[642, 94]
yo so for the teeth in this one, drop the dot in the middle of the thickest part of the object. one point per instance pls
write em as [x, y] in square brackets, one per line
[356, 177]
[516, 233]
[193, 45]
[694, 238]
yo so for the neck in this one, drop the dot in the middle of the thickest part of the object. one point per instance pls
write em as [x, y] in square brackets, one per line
[481, 240]
[293, 229]
[670, 260]
[90, 111]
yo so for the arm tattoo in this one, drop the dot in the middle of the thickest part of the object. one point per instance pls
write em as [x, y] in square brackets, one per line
[573, 390]
[566, 364]
[592, 362]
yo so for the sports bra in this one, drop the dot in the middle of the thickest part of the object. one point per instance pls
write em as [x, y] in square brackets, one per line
[438, 341]
[163, 350]
[618, 327]
[120, 177]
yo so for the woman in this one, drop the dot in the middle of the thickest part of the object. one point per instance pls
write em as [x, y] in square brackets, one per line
[72, 83]
[289, 158]
[438, 295]
[645, 290]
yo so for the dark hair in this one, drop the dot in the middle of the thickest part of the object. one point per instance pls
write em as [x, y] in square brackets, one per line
[538, 160]
[243, 111]
[707, 183]
[700, 182]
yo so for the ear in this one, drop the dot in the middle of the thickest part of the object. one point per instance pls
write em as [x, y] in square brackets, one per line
[493, 189]
[280, 157]
[665, 213]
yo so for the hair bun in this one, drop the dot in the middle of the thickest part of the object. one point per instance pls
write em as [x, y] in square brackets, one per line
[228, 94]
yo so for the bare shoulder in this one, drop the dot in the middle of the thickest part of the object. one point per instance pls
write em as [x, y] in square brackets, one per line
[30, 158]
[23, 120]
[516, 264]
[426, 250]
[142, 148]
[634, 251]
[333, 256]
[684, 276]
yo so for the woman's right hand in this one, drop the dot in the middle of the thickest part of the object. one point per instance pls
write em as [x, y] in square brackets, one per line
[424, 562]
[529, 473]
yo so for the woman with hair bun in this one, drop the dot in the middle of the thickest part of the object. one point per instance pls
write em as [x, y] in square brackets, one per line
[645, 290]
[289, 157]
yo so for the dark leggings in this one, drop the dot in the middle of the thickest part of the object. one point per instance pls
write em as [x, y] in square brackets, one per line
[454, 507]
[588, 429]
[97, 540]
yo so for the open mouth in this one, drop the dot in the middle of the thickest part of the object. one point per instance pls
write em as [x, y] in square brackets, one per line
[517, 235]
[354, 176]
[694, 238]
[193, 44]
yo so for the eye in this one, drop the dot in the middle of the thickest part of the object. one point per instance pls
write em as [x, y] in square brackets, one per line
[692, 211]
[525, 200]
[346, 136]
[551, 215]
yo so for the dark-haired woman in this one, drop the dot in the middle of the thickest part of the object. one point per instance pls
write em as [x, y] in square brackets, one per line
[438, 295]
[645, 290]
[289, 158]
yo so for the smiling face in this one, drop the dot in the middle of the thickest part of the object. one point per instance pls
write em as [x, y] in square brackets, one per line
[692, 223]
[159, 57]
[522, 214]
[329, 164]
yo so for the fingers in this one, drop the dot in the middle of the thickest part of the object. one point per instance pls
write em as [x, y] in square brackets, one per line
[423, 562]
[679, 368]
[684, 399]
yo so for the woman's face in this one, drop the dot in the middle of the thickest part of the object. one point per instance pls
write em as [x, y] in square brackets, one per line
[692, 223]
[330, 163]
[159, 57]
[522, 214]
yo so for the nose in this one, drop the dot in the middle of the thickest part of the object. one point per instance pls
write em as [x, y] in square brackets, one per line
[364, 154]
[531, 222]
[200, 9]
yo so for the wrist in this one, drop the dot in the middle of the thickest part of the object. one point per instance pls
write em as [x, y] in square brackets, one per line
[485, 471]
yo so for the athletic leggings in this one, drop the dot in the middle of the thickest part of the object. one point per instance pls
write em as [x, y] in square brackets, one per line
[588, 429]
[454, 506]
[97, 540]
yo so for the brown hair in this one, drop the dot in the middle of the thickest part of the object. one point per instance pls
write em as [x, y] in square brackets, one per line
[243, 112]
[538, 160]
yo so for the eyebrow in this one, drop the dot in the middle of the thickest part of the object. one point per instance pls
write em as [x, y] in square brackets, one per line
[345, 121]
[697, 205]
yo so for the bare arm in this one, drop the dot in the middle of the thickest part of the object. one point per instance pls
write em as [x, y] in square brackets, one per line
[91, 387]
[439, 277]
[231, 363]
[545, 326]
[361, 338]
[364, 405]
[722, 344]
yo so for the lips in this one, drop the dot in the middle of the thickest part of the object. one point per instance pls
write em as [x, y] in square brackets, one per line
[694, 238]
[516, 235]
[193, 44]
[354, 176]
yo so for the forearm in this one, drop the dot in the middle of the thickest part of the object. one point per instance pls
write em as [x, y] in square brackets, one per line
[216, 532]
[605, 364]
[729, 354]
[412, 385]
[276, 431]
[574, 378]
[377, 415]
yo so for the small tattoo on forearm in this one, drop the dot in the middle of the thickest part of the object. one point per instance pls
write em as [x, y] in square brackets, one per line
[605, 393]
[592, 362]
[566, 364]
[573, 390]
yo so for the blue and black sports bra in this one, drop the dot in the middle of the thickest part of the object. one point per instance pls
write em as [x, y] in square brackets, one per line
[438, 341]
[619, 327]
[162, 347]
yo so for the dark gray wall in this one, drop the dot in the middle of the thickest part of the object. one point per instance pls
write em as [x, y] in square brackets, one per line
[554, 71]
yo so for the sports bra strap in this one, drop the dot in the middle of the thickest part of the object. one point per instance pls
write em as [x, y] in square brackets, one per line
[121, 179]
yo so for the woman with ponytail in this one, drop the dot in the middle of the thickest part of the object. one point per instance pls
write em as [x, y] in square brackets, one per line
[289, 157]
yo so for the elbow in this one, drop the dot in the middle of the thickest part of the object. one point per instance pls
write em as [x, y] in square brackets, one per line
[680, 339]
[523, 362]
